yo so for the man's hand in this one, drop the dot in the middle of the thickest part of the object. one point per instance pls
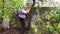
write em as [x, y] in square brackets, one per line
[27, 11]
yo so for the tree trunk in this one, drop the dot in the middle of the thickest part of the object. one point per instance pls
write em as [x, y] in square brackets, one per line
[5, 24]
[29, 24]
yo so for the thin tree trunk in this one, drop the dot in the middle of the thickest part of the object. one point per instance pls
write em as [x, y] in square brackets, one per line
[5, 24]
[29, 24]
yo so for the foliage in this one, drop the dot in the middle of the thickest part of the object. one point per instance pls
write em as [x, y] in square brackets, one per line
[35, 29]
[28, 3]
[51, 20]
[1, 5]
[10, 7]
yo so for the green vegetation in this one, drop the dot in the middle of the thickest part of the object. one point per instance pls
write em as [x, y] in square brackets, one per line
[9, 8]
[35, 29]
[50, 20]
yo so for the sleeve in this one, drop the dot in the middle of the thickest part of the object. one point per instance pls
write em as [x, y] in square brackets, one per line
[23, 11]
[19, 10]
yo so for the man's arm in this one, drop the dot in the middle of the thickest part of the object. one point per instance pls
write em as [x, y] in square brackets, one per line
[18, 11]
[23, 11]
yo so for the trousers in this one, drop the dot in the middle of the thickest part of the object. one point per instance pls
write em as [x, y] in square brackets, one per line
[22, 20]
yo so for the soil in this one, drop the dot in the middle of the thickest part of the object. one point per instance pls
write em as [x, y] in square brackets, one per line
[11, 31]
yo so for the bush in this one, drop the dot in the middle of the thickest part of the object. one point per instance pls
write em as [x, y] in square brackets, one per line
[51, 20]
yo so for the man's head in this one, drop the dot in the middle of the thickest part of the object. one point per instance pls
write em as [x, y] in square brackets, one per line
[27, 9]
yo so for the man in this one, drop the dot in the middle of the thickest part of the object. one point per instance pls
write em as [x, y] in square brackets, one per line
[22, 15]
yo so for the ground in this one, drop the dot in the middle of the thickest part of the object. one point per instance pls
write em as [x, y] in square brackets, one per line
[12, 31]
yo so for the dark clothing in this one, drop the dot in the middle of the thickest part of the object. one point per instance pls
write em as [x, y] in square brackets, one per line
[22, 22]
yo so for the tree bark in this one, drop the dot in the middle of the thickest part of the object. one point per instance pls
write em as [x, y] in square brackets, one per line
[29, 24]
